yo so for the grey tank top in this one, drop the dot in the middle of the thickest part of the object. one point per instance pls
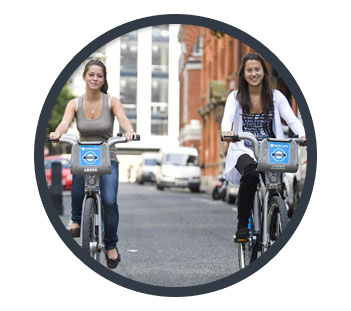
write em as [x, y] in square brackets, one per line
[99, 129]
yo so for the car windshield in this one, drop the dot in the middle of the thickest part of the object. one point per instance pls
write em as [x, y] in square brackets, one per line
[151, 162]
[65, 163]
[181, 159]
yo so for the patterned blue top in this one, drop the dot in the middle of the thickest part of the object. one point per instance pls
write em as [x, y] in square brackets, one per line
[259, 125]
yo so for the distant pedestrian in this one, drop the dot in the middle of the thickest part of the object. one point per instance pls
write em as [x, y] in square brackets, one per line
[95, 112]
[254, 107]
[129, 171]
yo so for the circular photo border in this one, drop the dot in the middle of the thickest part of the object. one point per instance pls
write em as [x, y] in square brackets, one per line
[103, 40]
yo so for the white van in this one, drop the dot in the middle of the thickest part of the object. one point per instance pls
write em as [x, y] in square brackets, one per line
[178, 167]
[147, 168]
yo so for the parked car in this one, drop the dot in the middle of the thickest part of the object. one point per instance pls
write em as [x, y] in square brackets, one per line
[147, 169]
[66, 172]
[299, 178]
[293, 182]
[178, 167]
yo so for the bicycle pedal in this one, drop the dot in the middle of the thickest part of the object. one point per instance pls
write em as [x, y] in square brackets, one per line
[240, 240]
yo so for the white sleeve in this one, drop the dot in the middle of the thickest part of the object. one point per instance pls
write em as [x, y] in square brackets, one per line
[288, 115]
[229, 113]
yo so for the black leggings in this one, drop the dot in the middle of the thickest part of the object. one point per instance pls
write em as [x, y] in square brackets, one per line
[248, 185]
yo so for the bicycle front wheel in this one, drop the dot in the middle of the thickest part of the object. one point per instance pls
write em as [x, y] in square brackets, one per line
[89, 234]
[277, 218]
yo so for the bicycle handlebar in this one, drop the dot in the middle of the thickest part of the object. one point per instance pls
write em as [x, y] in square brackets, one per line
[254, 141]
[120, 139]
[246, 136]
[73, 140]
[300, 141]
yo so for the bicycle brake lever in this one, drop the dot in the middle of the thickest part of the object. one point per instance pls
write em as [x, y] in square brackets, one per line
[234, 138]
[53, 140]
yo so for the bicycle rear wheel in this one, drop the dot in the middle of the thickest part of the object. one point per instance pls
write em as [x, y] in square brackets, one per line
[277, 218]
[89, 228]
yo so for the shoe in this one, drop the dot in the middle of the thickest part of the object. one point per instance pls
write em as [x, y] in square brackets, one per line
[74, 232]
[112, 263]
[242, 232]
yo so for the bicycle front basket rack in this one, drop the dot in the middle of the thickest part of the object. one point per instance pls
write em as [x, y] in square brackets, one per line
[277, 155]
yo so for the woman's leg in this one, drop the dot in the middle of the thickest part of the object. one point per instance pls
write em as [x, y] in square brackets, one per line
[248, 185]
[109, 189]
[77, 193]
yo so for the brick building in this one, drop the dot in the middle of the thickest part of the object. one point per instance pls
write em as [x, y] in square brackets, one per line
[208, 69]
[190, 68]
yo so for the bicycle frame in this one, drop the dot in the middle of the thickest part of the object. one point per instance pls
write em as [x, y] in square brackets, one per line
[256, 212]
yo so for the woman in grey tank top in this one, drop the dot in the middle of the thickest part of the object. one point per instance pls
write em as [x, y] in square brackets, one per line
[95, 112]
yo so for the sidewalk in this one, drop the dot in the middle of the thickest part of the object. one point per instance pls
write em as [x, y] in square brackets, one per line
[66, 202]
[206, 188]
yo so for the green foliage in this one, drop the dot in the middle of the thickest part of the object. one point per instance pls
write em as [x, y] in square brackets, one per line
[217, 34]
[59, 108]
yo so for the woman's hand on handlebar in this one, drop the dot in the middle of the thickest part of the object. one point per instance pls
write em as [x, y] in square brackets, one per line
[227, 133]
[54, 136]
[130, 135]
[303, 138]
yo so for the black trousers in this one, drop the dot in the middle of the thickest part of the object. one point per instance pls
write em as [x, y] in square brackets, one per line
[248, 185]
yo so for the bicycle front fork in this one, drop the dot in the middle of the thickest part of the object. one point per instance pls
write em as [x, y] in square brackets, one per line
[99, 221]
[265, 234]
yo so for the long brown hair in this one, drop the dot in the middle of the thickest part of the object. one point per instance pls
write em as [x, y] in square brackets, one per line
[97, 62]
[243, 95]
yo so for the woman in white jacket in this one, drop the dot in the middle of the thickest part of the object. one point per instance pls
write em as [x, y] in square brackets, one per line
[254, 107]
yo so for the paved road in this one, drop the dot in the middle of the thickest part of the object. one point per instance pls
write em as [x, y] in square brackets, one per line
[173, 237]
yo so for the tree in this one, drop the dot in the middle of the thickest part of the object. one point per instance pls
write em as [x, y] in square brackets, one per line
[217, 34]
[57, 112]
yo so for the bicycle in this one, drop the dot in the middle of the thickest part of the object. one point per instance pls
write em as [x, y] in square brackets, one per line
[269, 216]
[91, 159]
[220, 189]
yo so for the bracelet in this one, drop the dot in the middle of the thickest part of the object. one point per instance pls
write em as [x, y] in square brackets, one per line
[130, 131]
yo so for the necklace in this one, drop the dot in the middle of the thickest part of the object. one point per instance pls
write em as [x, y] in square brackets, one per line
[94, 109]
[93, 106]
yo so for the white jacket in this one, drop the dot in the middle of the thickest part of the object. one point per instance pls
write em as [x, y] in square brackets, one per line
[232, 121]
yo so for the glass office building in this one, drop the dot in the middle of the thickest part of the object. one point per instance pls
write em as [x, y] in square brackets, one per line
[142, 71]
[128, 75]
[159, 82]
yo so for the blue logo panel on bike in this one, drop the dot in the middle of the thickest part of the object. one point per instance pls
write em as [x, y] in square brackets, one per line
[279, 152]
[90, 155]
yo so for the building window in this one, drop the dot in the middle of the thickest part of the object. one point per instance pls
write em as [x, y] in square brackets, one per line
[197, 51]
[159, 80]
[159, 92]
[128, 75]
[128, 93]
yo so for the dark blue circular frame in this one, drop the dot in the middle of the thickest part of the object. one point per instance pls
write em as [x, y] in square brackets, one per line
[103, 40]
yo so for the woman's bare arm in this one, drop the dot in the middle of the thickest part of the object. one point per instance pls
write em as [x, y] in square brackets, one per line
[66, 120]
[118, 111]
